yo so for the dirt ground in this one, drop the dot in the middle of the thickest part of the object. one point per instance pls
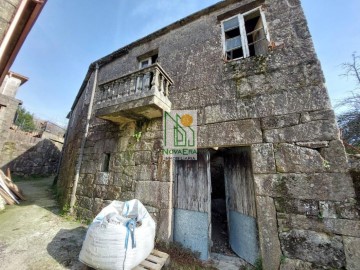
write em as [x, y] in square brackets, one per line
[33, 236]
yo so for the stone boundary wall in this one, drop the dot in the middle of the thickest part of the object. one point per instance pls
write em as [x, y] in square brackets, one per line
[26, 155]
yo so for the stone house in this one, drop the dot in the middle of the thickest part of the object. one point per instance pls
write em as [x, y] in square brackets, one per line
[271, 168]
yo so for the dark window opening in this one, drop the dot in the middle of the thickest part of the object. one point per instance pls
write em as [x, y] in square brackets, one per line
[237, 53]
[255, 32]
[106, 162]
[154, 59]
[232, 33]
[219, 223]
[245, 35]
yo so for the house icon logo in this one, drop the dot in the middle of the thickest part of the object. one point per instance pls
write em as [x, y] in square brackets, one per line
[180, 135]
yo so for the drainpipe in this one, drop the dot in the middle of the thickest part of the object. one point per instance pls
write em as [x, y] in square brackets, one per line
[79, 161]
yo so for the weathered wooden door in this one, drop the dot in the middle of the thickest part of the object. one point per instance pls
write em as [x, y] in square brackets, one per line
[240, 201]
[192, 203]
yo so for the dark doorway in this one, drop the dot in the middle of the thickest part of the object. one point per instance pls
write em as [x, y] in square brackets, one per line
[233, 211]
[219, 224]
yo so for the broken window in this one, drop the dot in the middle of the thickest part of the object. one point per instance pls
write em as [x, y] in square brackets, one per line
[245, 35]
[143, 63]
[106, 162]
[144, 80]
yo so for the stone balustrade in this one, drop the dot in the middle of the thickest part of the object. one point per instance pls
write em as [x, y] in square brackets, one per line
[147, 87]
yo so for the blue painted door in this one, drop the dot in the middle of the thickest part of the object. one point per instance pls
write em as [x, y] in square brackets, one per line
[240, 203]
[191, 209]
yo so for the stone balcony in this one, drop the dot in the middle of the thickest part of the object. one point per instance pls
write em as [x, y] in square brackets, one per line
[142, 94]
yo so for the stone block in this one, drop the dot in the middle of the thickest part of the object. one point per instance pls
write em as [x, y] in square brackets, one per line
[346, 227]
[305, 117]
[110, 145]
[283, 102]
[164, 225]
[123, 181]
[318, 248]
[153, 193]
[352, 252]
[327, 209]
[292, 264]
[292, 158]
[85, 202]
[262, 156]
[273, 122]
[113, 193]
[164, 170]
[98, 206]
[151, 135]
[278, 103]
[322, 115]
[101, 192]
[316, 186]
[297, 206]
[335, 156]
[102, 178]
[268, 233]
[155, 124]
[349, 209]
[145, 172]
[127, 196]
[312, 131]
[142, 157]
[242, 132]
[313, 145]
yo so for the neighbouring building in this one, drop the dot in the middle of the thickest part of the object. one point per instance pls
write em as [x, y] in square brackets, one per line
[271, 181]
[26, 153]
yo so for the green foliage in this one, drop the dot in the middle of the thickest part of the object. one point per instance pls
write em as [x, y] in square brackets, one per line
[137, 136]
[24, 120]
[326, 164]
[258, 264]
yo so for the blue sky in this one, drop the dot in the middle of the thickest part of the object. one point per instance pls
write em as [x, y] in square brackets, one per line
[69, 35]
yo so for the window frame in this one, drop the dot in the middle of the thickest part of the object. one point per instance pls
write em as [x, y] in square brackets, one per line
[143, 60]
[243, 34]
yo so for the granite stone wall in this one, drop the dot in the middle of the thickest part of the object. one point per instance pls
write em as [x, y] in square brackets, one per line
[277, 103]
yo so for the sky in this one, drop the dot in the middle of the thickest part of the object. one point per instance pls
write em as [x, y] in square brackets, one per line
[71, 34]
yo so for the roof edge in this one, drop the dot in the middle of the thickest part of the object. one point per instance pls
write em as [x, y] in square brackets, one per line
[162, 31]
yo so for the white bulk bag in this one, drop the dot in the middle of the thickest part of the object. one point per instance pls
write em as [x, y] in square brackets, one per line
[114, 242]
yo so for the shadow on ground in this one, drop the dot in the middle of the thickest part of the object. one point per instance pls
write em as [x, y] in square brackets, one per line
[66, 245]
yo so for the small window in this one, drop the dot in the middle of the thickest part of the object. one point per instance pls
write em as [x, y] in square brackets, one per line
[106, 162]
[245, 35]
[148, 61]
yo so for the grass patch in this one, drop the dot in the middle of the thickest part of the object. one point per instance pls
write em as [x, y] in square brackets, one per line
[182, 258]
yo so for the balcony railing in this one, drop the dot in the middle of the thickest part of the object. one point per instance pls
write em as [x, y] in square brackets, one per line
[135, 93]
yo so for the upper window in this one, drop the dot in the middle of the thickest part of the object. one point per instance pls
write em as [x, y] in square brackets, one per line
[148, 61]
[245, 35]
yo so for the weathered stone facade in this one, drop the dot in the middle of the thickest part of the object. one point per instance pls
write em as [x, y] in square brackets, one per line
[275, 103]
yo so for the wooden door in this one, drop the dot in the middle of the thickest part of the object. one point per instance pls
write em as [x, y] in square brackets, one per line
[240, 201]
[192, 203]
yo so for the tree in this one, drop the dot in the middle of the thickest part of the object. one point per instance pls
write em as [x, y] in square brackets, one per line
[24, 120]
[349, 120]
